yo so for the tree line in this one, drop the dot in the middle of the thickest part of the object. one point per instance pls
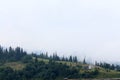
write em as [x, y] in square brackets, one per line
[108, 66]
[11, 54]
[56, 57]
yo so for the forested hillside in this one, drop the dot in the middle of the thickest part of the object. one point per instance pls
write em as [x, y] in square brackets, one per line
[17, 64]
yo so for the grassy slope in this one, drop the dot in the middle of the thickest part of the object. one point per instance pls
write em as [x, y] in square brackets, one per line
[63, 62]
[14, 65]
[108, 74]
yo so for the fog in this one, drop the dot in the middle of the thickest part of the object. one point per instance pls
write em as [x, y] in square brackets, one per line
[86, 28]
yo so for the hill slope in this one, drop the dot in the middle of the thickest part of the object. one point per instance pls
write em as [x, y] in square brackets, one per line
[17, 64]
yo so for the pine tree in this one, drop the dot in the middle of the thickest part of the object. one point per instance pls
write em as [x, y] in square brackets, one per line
[70, 59]
[84, 61]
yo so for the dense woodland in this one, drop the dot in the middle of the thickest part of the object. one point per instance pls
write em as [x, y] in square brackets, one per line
[40, 70]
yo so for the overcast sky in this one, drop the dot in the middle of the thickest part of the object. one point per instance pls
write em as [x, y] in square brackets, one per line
[88, 28]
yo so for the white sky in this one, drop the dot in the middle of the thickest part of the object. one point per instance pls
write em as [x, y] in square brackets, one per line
[88, 28]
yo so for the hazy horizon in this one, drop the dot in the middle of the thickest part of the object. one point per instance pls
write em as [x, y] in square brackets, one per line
[69, 27]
